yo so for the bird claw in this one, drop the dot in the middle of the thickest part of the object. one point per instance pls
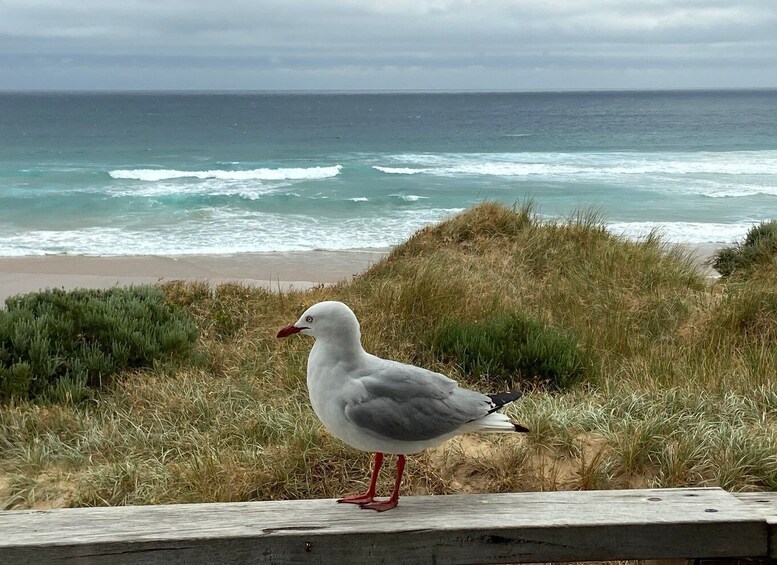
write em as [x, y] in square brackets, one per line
[357, 499]
[379, 505]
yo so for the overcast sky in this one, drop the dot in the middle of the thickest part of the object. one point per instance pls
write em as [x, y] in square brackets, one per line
[387, 44]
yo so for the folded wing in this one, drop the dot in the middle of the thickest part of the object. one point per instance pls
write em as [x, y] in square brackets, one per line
[407, 403]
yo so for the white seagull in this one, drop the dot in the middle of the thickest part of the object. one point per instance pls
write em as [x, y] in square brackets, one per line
[383, 406]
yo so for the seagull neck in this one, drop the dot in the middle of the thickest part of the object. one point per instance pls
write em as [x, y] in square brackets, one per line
[343, 345]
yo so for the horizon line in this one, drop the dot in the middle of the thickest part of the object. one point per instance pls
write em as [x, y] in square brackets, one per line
[378, 90]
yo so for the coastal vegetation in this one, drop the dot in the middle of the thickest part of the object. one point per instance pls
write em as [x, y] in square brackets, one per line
[513, 348]
[57, 345]
[756, 252]
[638, 370]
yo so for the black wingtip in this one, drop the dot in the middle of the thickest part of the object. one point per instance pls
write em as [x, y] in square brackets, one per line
[501, 398]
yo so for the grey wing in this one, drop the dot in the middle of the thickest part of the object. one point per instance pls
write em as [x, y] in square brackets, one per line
[407, 403]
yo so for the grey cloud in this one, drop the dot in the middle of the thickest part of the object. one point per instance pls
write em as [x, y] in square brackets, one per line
[331, 43]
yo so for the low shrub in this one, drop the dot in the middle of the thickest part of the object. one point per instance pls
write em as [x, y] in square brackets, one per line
[58, 344]
[758, 249]
[510, 347]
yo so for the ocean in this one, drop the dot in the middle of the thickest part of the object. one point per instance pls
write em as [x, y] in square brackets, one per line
[204, 173]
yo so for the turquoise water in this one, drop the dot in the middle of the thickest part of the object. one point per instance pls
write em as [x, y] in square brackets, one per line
[160, 173]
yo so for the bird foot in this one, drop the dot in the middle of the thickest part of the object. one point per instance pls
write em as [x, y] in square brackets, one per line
[379, 505]
[357, 499]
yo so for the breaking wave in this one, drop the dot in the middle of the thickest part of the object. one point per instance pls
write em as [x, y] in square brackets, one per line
[296, 173]
[683, 232]
[590, 164]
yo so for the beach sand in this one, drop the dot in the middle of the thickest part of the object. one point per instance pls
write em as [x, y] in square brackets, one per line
[277, 271]
[704, 253]
[289, 270]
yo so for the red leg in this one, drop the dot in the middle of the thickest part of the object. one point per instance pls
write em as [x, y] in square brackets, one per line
[368, 496]
[383, 505]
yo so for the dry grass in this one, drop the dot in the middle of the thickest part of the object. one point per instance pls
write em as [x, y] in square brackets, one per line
[682, 391]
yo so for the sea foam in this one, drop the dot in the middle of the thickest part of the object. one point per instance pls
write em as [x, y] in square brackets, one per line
[227, 231]
[591, 164]
[683, 232]
[410, 197]
[295, 173]
[401, 170]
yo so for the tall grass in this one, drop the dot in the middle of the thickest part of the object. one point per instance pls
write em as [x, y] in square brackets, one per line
[678, 386]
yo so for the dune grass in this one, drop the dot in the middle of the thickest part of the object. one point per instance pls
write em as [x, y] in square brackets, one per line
[678, 383]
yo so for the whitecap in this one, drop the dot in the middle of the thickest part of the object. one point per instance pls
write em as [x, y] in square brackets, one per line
[683, 232]
[293, 173]
[597, 165]
[410, 197]
[399, 170]
[733, 188]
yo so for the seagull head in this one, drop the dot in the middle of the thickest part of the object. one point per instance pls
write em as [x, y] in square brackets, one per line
[328, 319]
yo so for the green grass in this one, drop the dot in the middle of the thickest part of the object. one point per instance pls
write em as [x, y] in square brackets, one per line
[677, 385]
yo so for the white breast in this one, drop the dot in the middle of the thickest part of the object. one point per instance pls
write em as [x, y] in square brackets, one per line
[331, 386]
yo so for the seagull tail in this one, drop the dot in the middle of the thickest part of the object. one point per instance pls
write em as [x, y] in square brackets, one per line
[497, 423]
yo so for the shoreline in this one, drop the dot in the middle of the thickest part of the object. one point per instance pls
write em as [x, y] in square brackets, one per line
[283, 270]
[299, 270]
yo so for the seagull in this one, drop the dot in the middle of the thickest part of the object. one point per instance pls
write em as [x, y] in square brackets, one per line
[382, 406]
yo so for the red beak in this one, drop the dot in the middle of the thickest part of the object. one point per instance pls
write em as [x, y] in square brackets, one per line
[289, 330]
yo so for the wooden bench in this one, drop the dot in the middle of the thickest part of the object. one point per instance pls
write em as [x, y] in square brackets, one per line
[701, 523]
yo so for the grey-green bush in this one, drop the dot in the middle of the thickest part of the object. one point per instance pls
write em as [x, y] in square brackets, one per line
[512, 347]
[758, 249]
[59, 344]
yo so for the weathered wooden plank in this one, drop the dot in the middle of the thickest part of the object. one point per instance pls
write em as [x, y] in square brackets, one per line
[765, 504]
[495, 528]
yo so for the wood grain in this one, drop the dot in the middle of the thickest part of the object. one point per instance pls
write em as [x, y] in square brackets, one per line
[462, 529]
[765, 504]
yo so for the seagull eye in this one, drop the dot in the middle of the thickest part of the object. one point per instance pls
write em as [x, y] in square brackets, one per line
[309, 319]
